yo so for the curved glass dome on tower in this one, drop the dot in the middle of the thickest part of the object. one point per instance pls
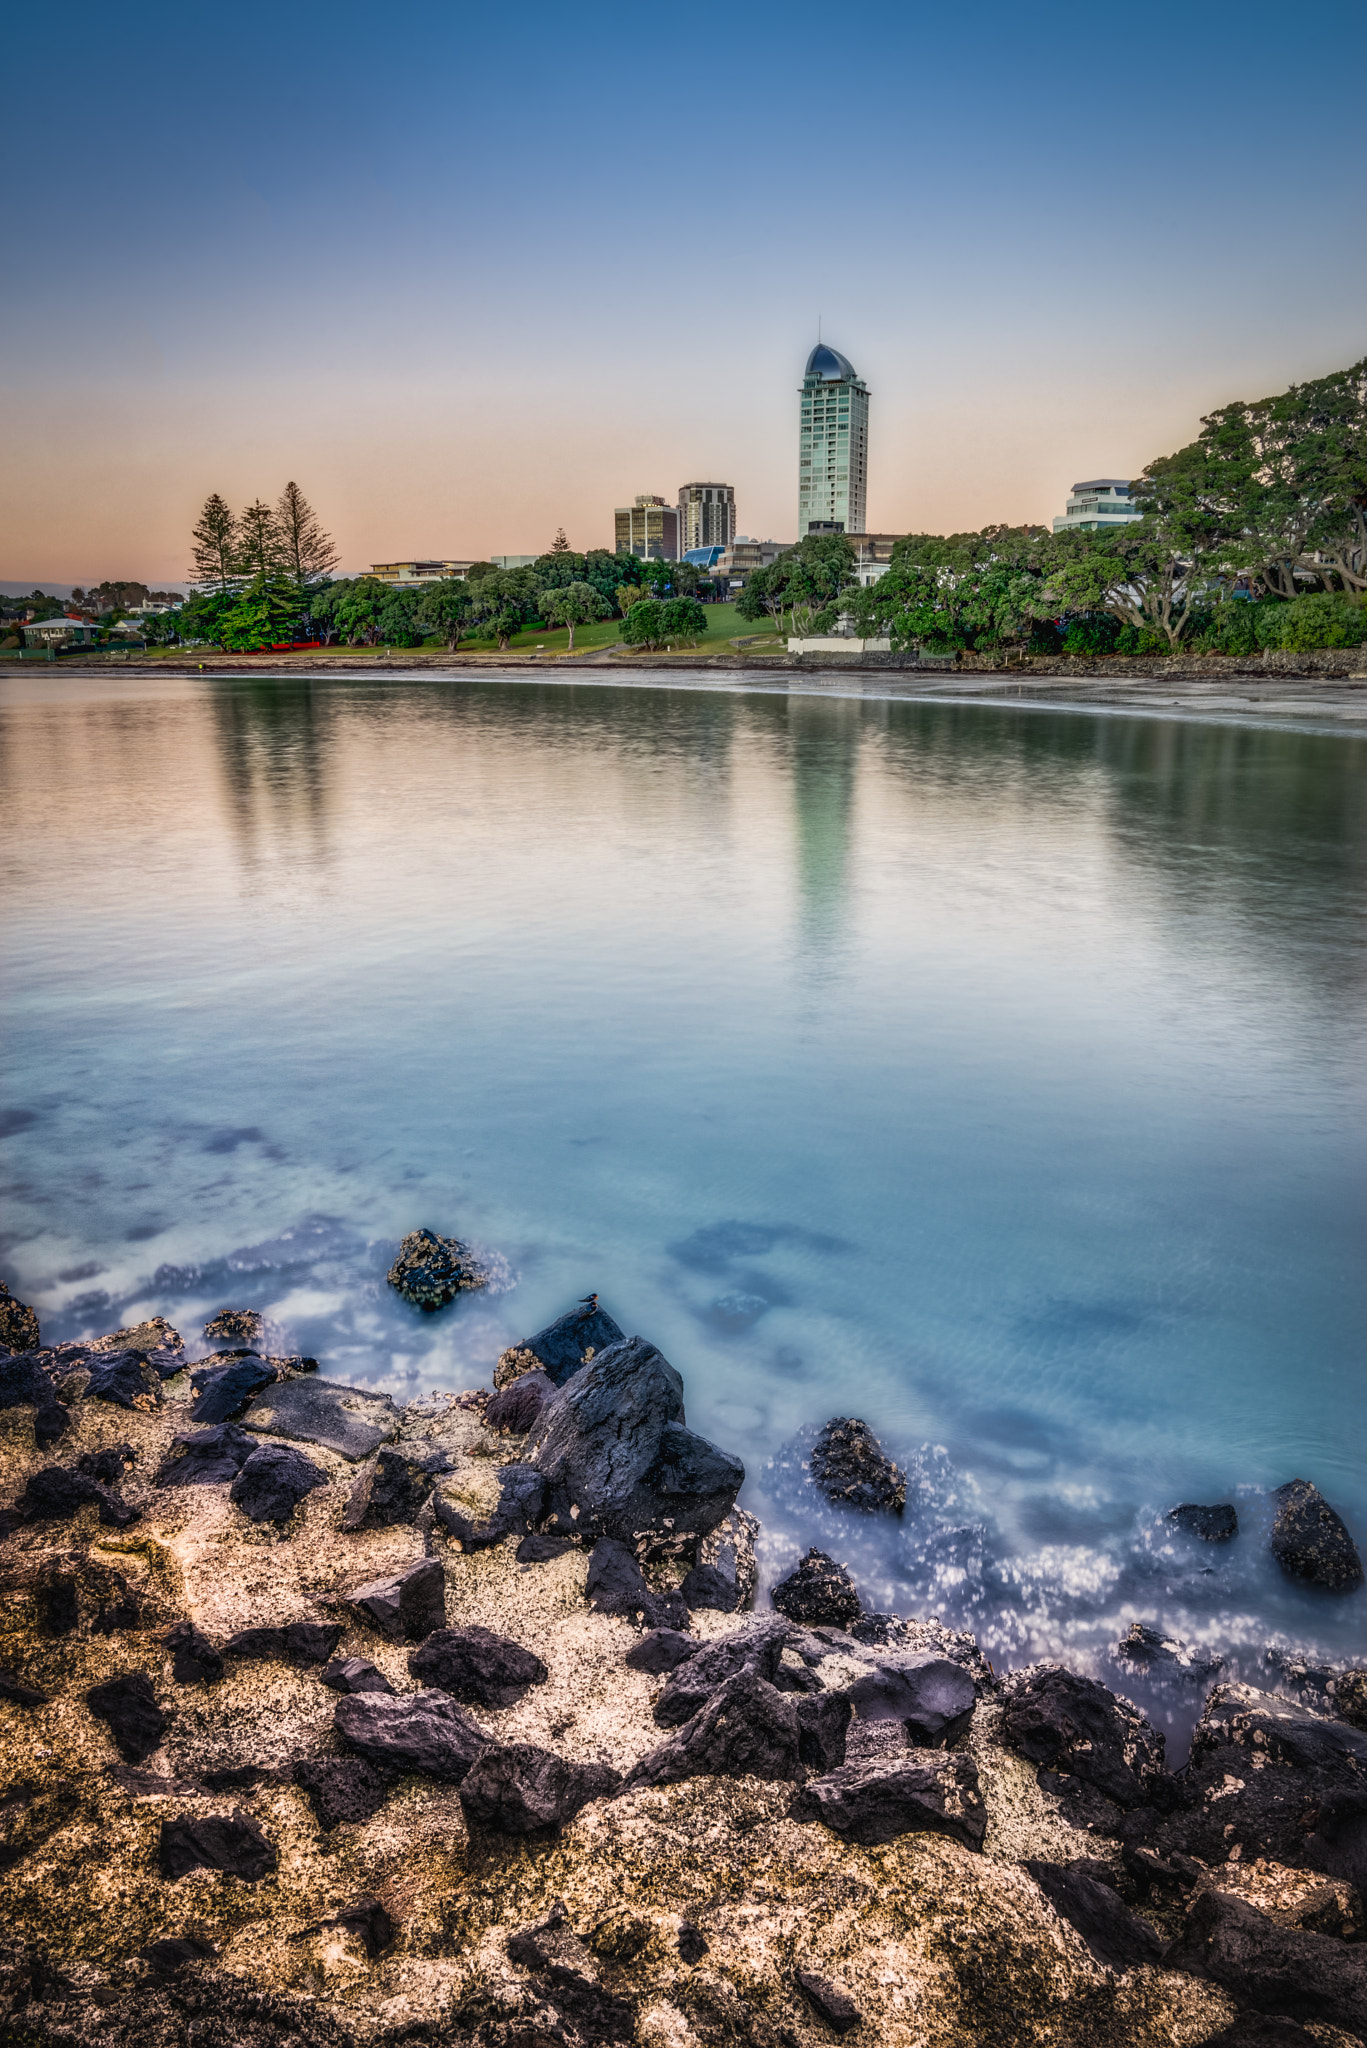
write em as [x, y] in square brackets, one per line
[833, 445]
[829, 364]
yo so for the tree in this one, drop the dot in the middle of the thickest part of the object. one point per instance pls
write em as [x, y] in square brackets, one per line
[573, 606]
[946, 591]
[308, 552]
[655, 622]
[357, 605]
[446, 607]
[214, 542]
[505, 601]
[263, 615]
[260, 544]
[813, 574]
[560, 546]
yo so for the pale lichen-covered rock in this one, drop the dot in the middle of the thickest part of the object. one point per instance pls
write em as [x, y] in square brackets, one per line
[431, 1270]
[18, 1323]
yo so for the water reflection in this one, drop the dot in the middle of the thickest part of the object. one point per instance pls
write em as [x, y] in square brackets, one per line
[273, 740]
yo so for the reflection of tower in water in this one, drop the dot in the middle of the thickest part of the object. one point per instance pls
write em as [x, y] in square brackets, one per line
[272, 753]
[823, 735]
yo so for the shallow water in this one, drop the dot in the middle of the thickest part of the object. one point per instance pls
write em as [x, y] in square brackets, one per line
[995, 1075]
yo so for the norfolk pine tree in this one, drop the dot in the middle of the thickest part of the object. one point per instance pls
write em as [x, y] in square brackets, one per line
[308, 552]
[214, 543]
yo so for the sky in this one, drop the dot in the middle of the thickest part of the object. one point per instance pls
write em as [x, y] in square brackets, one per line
[469, 275]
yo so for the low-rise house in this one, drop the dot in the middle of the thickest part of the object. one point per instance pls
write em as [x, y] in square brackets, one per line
[408, 575]
[60, 632]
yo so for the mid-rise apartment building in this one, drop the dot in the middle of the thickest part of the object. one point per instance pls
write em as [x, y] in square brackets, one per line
[1092, 507]
[406, 574]
[707, 516]
[648, 529]
[833, 445]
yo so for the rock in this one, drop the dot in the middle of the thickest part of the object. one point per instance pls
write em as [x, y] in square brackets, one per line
[416, 1731]
[432, 1270]
[55, 1494]
[539, 1549]
[12, 1688]
[206, 1457]
[664, 1649]
[273, 1481]
[1277, 1970]
[1115, 1935]
[747, 1728]
[1296, 1898]
[298, 1642]
[173, 1954]
[1213, 1525]
[934, 1791]
[243, 1326]
[23, 1383]
[849, 1467]
[155, 1342]
[613, 1445]
[225, 1390]
[758, 1648]
[522, 1498]
[129, 1706]
[693, 1944]
[351, 1421]
[477, 1666]
[933, 1698]
[195, 1661]
[1165, 1657]
[1310, 1541]
[18, 1323]
[730, 1550]
[515, 1409]
[408, 1606]
[354, 1674]
[559, 1350]
[1075, 1726]
[123, 1378]
[370, 1924]
[706, 1586]
[1256, 2030]
[108, 1465]
[829, 2000]
[818, 1593]
[617, 1585]
[386, 1493]
[341, 1788]
[232, 1843]
[522, 1790]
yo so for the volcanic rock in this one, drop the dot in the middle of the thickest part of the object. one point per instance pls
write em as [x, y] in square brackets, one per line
[477, 1666]
[1115, 1935]
[849, 1467]
[613, 1444]
[706, 1586]
[664, 1649]
[1310, 1541]
[173, 1954]
[341, 1788]
[55, 1494]
[538, 1549]
[109, 1464]
[124, 1378]
[129, 1706]
[370, 1924]
[830, 2000]
[515, 1409]
[416, 1731]
[521, 1503]
[12, 1688]
[18, 1323]
[225, 1390]
[406, 1607]
[712, 1665]
[430, 1270]
[1275, 1969]
[232, 1843]
[351, 1421]
[522, 1790]
[749, 1729]
[1165, 1657]
[354, 1674]
[387, 1492]
[273, 1481]
[241, 1326]
[155, 1342]
[931, 1696]
[1075, 1726]
[617, 1585]
[1213, 1525]
[207, 1457]
[195, 1661]
[559, 1350]
[300, 1642]
[931, 1790]
[693, 1944]
[818, 1593]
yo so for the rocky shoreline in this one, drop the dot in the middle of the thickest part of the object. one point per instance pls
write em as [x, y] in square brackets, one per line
[328, 1721]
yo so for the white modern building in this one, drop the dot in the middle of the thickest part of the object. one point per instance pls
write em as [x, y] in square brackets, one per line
[833, 446]
[406, 574]
[1092, 507]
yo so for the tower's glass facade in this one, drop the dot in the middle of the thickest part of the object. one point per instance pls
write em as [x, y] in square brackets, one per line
[833, 445]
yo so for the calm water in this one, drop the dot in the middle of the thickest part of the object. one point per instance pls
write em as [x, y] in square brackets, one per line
[995, 1075]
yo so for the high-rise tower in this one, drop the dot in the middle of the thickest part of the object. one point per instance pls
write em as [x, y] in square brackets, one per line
[707, 516]
[833, 442]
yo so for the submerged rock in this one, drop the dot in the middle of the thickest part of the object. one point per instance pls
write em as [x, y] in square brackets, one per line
[559, 1350]
[273, 1481]
[851, 1469]
[819, 1593]
[18, 1323]
[877, 1800]
[129, 1707]
[243, 1326]
[1165, 1657]
[1219, 1524]
[521, 1789]
[407, 1606]
[1310, 1540]
[430, 1270]
[418, 1731]
[477, 1666]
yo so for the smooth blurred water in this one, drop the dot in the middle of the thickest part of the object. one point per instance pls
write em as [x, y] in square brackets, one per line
[995, 1075]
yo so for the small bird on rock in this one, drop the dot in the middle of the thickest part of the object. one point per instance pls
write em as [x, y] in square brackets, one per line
[589, 1304]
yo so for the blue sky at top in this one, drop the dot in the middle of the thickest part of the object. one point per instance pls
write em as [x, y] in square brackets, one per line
[470, 275]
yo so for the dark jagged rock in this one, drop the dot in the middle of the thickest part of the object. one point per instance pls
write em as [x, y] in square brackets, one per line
[1219, 1524]
[706, 1585]
[55, 1494]
[124, 1378]
[154, 1341]
[829, 2000]
[935, 1791]
[477, 1666]
[747, 1728]
[519, 1789]
[573, 2011]
[851, 1469]
[408, 1606]
[1273, 1968]
[354, 1674]
[818, 1593]
[273, 1481]
[241, 1777]
[513, 1410]
[711, 1665]
[521, 1503]
[1115, 1935]
[370, 1924]
[430, 1270]
[23, 1383]
[617, 1585]
[129, 1706]
[1165, 1657]
[1073, 1725]
[194, 1660]
[108, 1465]
[225, 1390]
[693, 1944]
[299, 1642]
[232, 1843]
[559, 1350]
[18, 1323]
[13, 1688]
[1310, 1541]
[175, 1953]
[613, 1445]
[664, 1649]
[340, 1788]
[207, 1457]
[932, 1697]
[349, 1421]
[538, 1549]
[418, 1731]
[387, 1492]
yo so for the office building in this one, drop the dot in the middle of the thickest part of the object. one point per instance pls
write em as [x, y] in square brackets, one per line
[649, 529]
[407, 574]
[1095, 506]
[738, 563]
[707, 516]
[833, 446]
